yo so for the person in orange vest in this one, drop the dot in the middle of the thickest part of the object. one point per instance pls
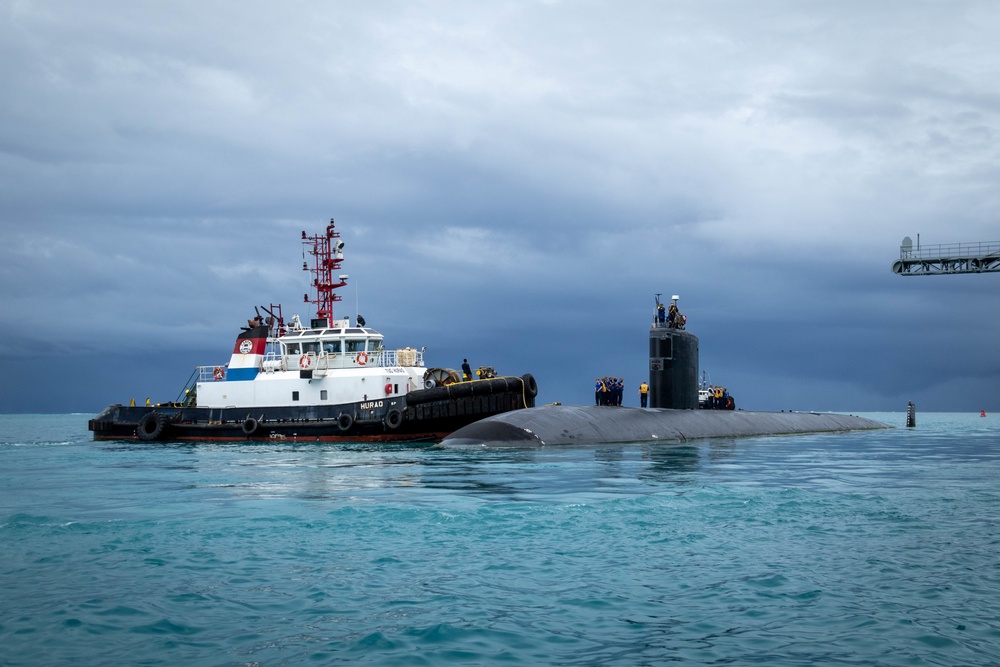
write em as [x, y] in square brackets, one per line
[643, 393]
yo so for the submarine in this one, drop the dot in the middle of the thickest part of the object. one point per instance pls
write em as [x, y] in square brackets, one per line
[673, 415]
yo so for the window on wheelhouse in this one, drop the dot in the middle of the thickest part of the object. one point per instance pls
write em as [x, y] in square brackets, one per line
[331, 346]
[292, 349]
[311, 346]
[355, 345]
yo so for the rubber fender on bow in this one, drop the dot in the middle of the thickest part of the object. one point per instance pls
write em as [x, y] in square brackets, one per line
[489, 387]
[151, 426]
[530, 386]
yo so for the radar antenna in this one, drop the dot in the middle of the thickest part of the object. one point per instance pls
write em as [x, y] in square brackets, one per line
[327, 251]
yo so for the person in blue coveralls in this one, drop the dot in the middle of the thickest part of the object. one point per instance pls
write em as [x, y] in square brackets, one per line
[466, 370]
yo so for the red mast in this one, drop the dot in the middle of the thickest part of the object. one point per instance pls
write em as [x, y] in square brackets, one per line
[328, 252]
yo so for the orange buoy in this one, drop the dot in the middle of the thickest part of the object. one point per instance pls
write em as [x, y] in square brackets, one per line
[982, 413]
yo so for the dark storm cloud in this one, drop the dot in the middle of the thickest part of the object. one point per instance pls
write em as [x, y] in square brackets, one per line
[514, 183]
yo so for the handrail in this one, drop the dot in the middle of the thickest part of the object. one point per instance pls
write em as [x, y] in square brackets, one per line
[950, 250]
[207, 373]
[186, 393]
[407, 357]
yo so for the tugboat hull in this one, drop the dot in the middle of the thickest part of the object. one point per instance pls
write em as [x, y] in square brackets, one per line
[426, 415]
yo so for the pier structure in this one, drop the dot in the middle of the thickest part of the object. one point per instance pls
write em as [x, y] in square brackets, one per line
[947, 258]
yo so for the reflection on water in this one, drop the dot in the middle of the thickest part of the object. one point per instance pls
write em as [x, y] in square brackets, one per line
[324, 471]
[671, 463]
[321, 471]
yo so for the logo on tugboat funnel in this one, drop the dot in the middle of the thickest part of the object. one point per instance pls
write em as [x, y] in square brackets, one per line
[246, 345]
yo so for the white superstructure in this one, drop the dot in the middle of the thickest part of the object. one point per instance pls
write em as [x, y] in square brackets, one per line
[314, 366]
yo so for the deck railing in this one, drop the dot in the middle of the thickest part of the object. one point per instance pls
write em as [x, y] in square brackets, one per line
[947, 258]
[271, 362]
[949, 250]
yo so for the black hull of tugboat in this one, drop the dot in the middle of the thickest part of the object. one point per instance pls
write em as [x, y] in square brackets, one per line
[427, 415]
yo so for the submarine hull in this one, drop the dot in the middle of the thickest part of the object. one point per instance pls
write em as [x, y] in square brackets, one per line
[591, 425]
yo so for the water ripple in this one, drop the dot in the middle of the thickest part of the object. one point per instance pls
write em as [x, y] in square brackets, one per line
[869, 549]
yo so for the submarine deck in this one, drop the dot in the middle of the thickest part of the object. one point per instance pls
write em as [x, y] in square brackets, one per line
[588, 425]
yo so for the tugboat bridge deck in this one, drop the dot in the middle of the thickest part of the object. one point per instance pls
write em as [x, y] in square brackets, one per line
[272, 362]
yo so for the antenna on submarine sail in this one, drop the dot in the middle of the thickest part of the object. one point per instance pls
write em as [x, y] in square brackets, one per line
[673, 365]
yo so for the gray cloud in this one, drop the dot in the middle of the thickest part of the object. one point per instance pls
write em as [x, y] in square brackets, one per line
[514, 183]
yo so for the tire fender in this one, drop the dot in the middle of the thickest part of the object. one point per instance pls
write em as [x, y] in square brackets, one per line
[250, 426]
[393, 419]
[345, 422]
[151, 426]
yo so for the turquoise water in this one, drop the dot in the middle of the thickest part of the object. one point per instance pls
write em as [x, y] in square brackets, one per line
[869, 548]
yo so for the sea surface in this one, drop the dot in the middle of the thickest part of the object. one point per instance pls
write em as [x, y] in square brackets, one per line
[867, 548]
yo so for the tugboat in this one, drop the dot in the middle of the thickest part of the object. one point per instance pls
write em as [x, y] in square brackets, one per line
[714, 398]
[328, 382]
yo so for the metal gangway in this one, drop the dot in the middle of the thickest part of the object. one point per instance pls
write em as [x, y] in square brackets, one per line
[948, 258]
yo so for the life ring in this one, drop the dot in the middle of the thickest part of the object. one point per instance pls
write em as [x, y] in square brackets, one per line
[151, 426]
[250, 426]
[361, 359]
[393, 419]
[219, 373]
[345, 422]
[305, 361]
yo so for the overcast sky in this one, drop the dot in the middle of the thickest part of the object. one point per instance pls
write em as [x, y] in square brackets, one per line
[514, 182]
